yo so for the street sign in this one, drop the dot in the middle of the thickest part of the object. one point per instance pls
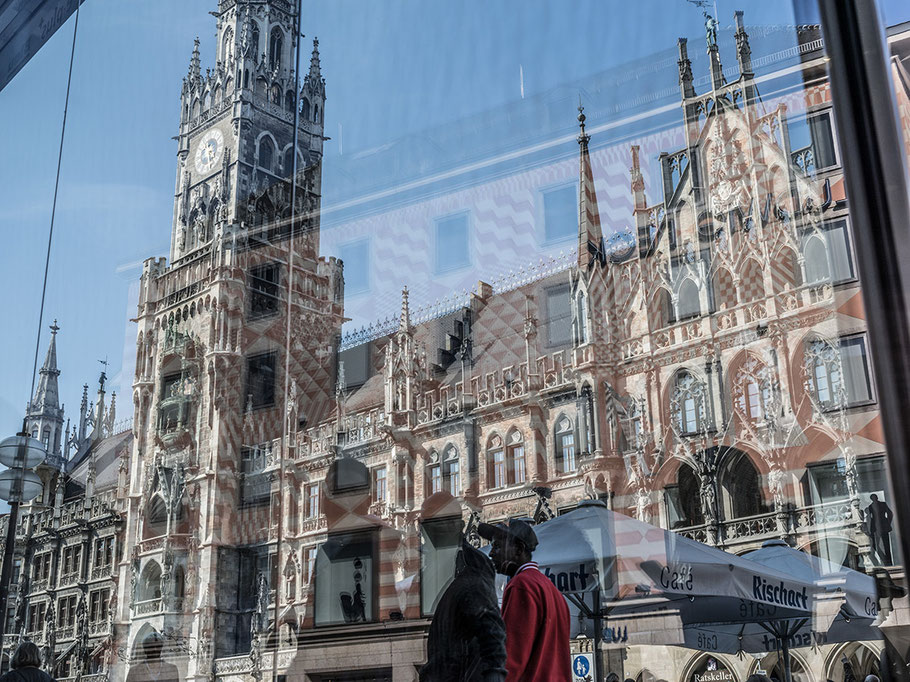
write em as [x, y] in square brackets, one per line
[582, 665]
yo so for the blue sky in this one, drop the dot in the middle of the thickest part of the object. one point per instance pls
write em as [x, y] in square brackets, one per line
[393, 69]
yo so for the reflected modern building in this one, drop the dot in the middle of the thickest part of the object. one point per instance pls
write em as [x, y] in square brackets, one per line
[287, 502]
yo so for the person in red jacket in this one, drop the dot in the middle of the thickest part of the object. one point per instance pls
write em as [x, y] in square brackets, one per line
[534, 611]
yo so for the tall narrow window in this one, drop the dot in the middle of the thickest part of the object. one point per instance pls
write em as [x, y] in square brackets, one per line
[266, 154]
[689, 402]
[356, 259]
[828, 256]
[565, 446]
[454, 478]
[452, 243]
[812, 146]
[380, 491]
[558, 308]
[451, 471]
[275, 46]
[312, 501]
[560, 213]
[434, 478]
[265, 292]
[261, 379]
[517, 457]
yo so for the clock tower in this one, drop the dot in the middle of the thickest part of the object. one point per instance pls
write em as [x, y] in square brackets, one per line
[236, 136]
[236, 344]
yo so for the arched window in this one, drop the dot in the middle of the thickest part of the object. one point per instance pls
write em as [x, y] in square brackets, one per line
[689, 403]
[451, 471]
[195, 108]
[227, 46]
[580, 319]
[496, 463]
[254, 42]
[305, 108]
[688, 303]
[824, 373]
[218, 96]
[275, 43]
[289, 161]
[35, 433]
[207, 100]
[741, 486]
[434, 474]
[564, 439]
[289, 101]
[266, 153]
[290, 581]
[752, 391]
[246, 78]
[515, 458]
[179, 582]
[150, 582]
[315, 113]
[684, 500]
[816, 261]
[156, 517]
[46, 438]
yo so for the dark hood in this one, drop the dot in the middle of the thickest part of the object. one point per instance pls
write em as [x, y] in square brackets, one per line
[471, 561]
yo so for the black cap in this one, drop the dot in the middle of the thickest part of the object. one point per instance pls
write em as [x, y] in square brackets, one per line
[515, 529]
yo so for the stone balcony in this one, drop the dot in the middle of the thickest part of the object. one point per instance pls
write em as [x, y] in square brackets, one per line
[739, 319]
[70, 578]
[752, 530]
[147, 607]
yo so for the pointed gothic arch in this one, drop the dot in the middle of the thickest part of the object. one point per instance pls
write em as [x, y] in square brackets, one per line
[688, 300]
[565, 443]
[739, 483]
[689, 405]
[276, 47]
[149, 582]
[751, 283]
[724, 289]
[785, 270]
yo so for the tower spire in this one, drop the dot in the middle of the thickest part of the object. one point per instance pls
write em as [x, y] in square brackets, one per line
[589, 231]
[44, 416]
[405, 323]
[46, 395]
[195, 70]
[685, 70]
[315, 69]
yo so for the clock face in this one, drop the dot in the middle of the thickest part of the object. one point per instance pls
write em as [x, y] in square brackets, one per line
[209, 150]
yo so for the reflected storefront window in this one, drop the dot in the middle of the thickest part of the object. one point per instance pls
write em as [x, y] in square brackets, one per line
[571, 268]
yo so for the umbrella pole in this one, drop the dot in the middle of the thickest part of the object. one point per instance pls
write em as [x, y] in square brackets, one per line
[598, 633]
[785, 654]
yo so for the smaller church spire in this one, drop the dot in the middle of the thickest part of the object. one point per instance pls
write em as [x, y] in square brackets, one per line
[405, 323]
[589, 232]
[313, 82]
[743, 51]
[315, 70]
[685, 70]
[46, 393]
[195, 70]
[638, 181]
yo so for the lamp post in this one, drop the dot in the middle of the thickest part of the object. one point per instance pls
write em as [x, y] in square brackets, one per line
[20, 453]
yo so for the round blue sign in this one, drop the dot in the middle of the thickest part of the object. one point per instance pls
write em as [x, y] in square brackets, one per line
[581, 666]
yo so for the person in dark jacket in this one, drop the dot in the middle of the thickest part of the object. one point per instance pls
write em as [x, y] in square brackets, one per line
[26, 665]
[467, 638]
